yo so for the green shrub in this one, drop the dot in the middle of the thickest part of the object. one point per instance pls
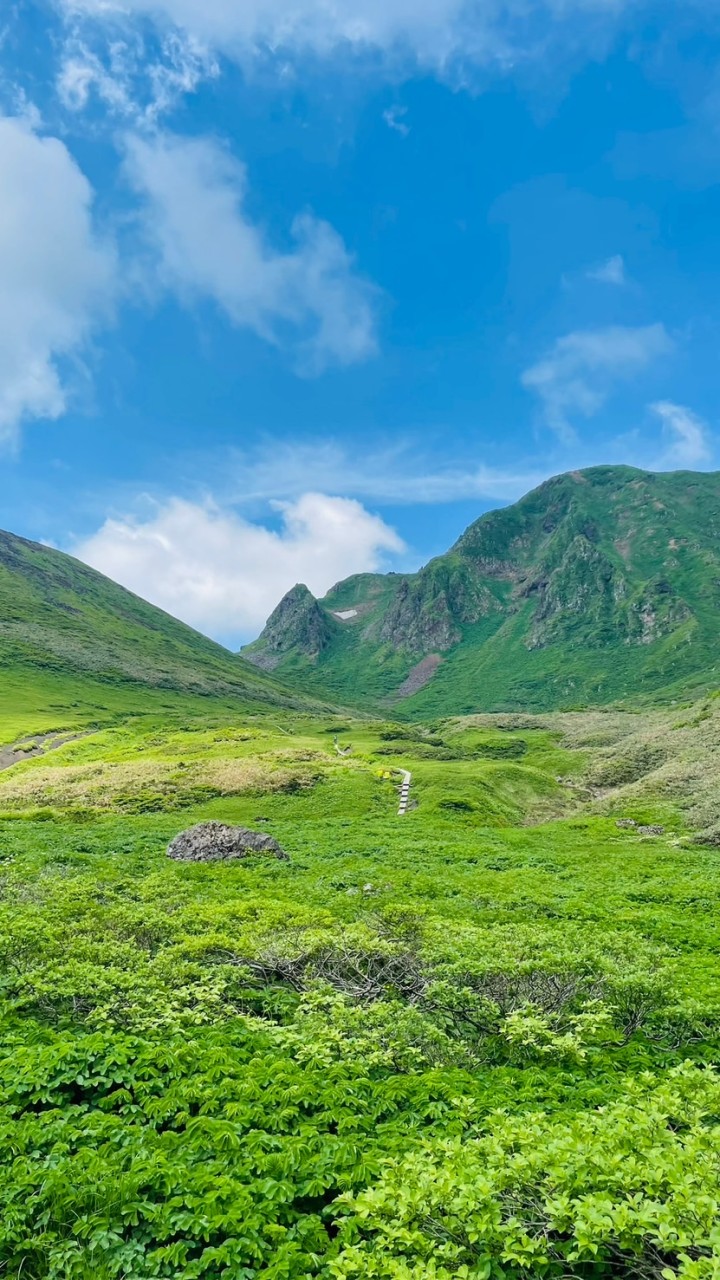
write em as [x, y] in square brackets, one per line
[632, 1189]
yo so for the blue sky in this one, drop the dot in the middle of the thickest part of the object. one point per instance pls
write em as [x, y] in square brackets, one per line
[291, 289]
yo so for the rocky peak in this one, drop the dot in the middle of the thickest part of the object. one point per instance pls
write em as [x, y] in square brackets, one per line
[298, 625]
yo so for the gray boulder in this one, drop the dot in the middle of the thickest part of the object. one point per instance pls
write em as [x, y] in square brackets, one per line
[643, 829]
[217, 842]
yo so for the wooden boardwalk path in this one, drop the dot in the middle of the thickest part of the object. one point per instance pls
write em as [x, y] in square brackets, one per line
[404, 790]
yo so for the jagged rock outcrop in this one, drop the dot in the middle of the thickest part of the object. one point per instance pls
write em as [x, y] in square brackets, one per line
[431, 607]
[656, 613]
[298, 625]
[217, 842]
[582, 593]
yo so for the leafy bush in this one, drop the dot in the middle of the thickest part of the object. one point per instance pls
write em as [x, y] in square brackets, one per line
[443, 1045]
[631, 1189]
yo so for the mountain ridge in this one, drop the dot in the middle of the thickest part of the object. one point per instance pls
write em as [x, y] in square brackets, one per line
[72, 638]
[597, 584]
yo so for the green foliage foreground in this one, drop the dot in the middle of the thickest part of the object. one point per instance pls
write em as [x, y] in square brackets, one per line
[452, 1045]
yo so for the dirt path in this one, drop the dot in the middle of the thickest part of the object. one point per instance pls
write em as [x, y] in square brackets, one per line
[37, 745]
[404, 790]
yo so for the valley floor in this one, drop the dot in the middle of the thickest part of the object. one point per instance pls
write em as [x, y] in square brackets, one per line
[477, 1040]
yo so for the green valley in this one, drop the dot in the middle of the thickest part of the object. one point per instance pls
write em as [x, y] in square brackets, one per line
[477, 1040]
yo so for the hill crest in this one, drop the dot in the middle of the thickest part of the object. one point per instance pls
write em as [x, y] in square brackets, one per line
[72, 638]
[597, 584]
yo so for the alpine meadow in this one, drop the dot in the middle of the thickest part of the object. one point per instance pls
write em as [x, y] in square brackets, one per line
[359, 640]
[478, 1039]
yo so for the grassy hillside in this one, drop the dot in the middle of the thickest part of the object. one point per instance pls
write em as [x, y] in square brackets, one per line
[598, 586]
[480, 1040]
[470, 1042]
[76, 646]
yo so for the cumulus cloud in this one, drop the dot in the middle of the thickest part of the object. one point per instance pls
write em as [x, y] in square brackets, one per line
[224, 574]
[308, 298]
[688, 435]
[581, 369]
[611, 271]
[56, 274]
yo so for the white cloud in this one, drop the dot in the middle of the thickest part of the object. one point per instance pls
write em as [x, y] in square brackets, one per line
[397, 474]
[56, 275]
[82, 73]
[434, 32]
[309, 298]
[394, 120]
[612, 271]
[125, 79]
[688, 435]
[581, 369]
[224, 574]
[317, 25]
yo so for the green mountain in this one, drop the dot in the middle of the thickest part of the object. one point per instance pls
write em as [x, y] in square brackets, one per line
[599, 584]
[73, 641]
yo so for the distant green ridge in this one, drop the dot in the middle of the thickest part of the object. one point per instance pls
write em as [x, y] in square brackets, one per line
[599, 585]
[73, 644]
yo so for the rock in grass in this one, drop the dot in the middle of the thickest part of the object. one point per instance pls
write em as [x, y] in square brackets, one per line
[217, 842]
[643, 829]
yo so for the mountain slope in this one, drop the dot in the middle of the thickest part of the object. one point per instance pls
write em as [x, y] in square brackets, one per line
[597, 585]
[70, 638]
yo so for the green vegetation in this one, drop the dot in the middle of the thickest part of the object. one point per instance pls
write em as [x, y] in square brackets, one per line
[77, 649]
[600, 585]
[478, 1041]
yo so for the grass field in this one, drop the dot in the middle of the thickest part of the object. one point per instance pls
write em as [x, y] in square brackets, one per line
[477, 1041]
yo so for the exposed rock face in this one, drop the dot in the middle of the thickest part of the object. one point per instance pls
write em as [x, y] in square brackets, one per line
[418, 619]
[585, 588]
[657, 613]
[590, 594]
[297, 625]
[217, 842]
[429, 610]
